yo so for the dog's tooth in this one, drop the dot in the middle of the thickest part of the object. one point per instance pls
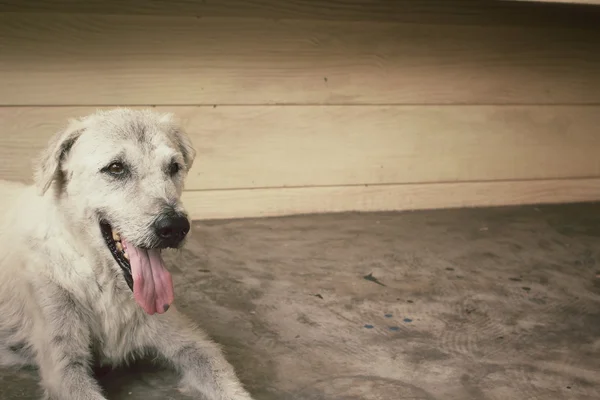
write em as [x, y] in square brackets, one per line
[116, 236]
[126, 255]
[119, 246]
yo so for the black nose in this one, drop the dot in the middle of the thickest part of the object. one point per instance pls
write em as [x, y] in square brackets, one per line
[171, 228]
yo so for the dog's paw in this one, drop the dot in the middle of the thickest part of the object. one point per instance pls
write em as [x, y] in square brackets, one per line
[239, 395]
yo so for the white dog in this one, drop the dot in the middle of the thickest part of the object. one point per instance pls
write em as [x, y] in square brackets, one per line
[81, 272]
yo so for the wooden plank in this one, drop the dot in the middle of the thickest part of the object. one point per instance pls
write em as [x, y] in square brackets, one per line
[62, 59]
[292, 201]
[278, 146]
[464, 12]
[592, 2]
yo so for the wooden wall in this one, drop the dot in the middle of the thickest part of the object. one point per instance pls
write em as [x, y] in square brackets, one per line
[316, 106]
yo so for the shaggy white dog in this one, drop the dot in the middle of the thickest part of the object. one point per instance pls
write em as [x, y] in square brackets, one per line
[81, 272]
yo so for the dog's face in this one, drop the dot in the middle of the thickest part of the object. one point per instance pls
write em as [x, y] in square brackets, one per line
[120, 175]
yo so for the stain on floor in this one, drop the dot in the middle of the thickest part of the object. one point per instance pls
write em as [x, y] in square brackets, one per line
[499, 303]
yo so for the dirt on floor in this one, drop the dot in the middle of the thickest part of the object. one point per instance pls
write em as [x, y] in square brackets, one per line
[499, 303]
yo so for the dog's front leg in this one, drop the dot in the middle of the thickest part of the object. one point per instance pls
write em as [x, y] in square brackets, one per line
[205, 371]
[61, 340]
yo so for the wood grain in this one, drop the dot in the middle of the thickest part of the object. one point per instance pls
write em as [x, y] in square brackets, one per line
[592, 2]
[463, 12]
[61, 59]
[290, 201]
[281, 146]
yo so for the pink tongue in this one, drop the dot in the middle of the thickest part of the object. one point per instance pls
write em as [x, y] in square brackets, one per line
[152, 283]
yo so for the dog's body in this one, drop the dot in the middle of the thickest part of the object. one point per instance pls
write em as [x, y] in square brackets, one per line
[67, 295]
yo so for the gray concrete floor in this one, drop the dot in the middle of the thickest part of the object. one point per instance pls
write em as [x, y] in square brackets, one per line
[459, 304]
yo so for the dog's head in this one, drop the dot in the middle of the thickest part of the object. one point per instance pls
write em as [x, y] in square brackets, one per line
[119, 175]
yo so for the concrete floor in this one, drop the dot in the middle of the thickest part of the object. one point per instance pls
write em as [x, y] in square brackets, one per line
[459, 304]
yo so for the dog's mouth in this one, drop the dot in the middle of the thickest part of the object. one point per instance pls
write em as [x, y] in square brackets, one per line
[115, 246]
[143, 269]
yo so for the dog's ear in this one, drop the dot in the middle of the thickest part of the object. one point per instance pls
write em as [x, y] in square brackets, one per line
[182, 141]
[186, 147]
[48, 166]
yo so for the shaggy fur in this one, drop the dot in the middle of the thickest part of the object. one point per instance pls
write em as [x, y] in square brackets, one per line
[63, 298]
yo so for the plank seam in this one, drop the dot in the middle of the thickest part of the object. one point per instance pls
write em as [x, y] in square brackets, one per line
[372, 185]
[215, 105]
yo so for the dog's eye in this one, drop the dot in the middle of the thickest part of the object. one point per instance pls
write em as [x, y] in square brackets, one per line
[116, 168]
[174, 168]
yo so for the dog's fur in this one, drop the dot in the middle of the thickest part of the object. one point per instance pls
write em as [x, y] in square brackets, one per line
[63, 299]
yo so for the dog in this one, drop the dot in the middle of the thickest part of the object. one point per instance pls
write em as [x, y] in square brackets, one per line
[81, 273]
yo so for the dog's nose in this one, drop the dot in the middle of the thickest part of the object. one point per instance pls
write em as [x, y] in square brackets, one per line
[171, 228]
